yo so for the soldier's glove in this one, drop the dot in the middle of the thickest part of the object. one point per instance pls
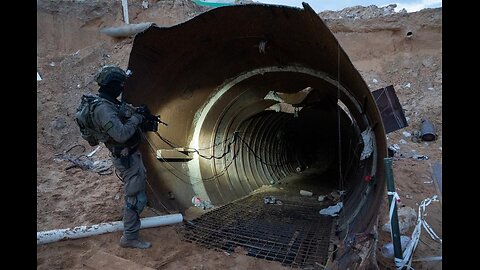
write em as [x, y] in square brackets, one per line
[150, 122]
[143, 110]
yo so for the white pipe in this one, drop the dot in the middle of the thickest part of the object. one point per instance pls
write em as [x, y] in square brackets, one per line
[125, 10]
[45, 237]
[126, 30]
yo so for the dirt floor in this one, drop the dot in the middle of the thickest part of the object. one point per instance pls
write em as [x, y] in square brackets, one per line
[70, 50]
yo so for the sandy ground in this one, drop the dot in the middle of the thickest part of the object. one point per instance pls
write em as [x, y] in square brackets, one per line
[70, 50]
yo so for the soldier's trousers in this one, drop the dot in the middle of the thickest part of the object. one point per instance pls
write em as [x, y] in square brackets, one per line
[133, 173]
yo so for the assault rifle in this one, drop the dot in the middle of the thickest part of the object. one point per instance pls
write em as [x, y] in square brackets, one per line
[151, 121]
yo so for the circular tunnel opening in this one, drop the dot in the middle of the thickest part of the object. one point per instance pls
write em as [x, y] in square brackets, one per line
[294, 129]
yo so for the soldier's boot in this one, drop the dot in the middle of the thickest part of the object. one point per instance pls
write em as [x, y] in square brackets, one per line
[134, 243]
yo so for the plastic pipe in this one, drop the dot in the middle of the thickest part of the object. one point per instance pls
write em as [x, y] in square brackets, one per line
[126, 30]
[125, 10]
[45, 237]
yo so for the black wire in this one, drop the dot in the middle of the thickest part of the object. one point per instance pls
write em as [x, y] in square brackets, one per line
[258, 157]
[166, 140]
[213, 177]
[76, 145]
[105, 172]
[119, 178]
[224, 153]
[173, 145]
[164, 161]
[236, 136]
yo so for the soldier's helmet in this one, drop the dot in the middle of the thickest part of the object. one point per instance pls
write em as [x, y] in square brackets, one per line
[110, 73]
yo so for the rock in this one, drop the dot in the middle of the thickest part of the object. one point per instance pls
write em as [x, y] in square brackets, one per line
[407, 218]
[58, 123]
[428, 62]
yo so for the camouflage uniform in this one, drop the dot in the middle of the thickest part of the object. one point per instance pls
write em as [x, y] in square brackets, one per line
[122, 137]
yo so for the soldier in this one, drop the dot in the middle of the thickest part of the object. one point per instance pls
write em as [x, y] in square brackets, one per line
[120, 127]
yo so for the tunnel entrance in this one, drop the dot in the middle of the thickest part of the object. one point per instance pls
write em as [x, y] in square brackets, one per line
[268, 99]
[267, 124]
[283, 142]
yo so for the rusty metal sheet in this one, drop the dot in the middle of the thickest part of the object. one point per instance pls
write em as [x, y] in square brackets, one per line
[390, 108]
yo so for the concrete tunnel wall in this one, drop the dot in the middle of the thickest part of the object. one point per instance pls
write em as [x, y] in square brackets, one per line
[208, 79]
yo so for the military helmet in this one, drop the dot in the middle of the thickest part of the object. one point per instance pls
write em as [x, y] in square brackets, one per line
[110, 73]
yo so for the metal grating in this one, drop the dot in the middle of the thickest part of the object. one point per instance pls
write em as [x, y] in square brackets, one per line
[293, 233]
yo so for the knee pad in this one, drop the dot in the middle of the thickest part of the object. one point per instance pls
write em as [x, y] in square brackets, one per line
[137, 202]
[141, 201]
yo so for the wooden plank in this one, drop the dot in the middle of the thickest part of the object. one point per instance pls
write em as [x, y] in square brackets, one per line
[105, 261]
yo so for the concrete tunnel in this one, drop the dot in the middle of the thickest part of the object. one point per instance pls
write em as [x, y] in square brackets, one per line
[261, 92]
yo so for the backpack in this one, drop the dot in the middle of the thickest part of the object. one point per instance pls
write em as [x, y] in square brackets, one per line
[83, 118]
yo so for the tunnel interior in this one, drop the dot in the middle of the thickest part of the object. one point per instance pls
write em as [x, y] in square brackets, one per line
[264, 139]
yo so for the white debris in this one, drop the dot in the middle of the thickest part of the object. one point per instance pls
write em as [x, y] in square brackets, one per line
[272, 95]
[420, 157]
[406, 134]
[430, 88]
[94, 151]
[367, 143]
[402, 141]
[79, 85]
[38, 77]
[269, 200]
[375, 81]
[52, 64]
[408, 85]
[305, 193]
[145, 4]
[321, 198]
[388, 251]
[395, 147]
[408, 119]
[332, 210]
[196, 201]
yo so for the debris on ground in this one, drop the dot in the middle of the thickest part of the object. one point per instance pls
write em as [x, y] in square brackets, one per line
[305, 193]
[406, 219]
[332, 210]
